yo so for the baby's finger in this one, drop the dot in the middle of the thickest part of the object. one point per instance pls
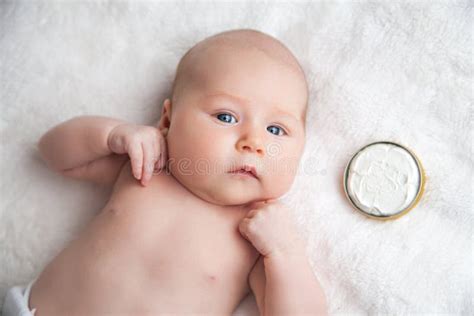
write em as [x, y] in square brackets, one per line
[148, 163]
[164, 150]
[156, 153]
[163, 154]
[243, 228]
[136, 158]
[157, 166]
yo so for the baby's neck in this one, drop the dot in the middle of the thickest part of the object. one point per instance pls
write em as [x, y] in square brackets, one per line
[241, 208]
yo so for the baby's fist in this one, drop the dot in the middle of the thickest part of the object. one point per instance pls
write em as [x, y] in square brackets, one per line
[271, 229]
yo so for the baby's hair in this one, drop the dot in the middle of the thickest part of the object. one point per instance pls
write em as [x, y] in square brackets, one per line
[241, 39]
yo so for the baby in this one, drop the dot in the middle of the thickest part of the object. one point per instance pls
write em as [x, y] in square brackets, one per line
[192, 224]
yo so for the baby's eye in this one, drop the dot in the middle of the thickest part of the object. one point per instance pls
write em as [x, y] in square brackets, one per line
[227, 118]
[276, 130]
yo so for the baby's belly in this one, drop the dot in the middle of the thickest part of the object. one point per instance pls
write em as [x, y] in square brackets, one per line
[148, 261]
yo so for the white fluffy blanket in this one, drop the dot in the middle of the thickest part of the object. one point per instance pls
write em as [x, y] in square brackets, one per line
[378, 71]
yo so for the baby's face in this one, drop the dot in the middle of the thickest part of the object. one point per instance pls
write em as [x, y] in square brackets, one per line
[238, 109]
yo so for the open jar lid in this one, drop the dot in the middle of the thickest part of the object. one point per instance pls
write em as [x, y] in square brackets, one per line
[384, 180]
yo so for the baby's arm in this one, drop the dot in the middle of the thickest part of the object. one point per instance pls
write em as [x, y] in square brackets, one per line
[76, 142]
[291, 287]
[94, 147]
[281, 280]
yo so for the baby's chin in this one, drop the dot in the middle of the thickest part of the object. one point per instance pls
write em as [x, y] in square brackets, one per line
[226, 191]
[227, 196]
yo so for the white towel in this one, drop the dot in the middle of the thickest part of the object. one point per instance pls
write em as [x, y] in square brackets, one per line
[399, 71]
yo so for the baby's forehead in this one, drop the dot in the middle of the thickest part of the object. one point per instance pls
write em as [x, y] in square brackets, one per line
[240, 41]
[246, 42]
[212, 57]
[271, 91]
[246, 47]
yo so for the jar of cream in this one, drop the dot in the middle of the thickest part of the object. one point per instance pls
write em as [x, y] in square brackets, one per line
[384, 180]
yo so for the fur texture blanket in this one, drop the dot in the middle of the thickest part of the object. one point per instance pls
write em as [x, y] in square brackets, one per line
[398, 71]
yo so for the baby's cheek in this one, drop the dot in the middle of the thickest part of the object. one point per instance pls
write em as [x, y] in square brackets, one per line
[276, 185]
[280, 174]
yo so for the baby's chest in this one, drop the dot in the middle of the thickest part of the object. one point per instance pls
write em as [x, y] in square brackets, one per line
[180, 234]
[172, 248]
[175, 234]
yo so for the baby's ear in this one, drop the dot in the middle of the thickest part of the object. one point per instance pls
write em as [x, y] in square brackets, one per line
[165, 119]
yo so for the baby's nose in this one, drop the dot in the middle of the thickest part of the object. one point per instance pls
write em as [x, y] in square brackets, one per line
[250, 145]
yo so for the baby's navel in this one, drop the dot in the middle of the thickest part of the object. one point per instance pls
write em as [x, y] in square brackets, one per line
[211, 277]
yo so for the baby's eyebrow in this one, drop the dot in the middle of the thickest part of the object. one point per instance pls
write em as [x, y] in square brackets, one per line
[235, 99]
[288, 116]
[242, 101]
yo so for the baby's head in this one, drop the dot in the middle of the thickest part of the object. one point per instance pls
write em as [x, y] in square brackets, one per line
[239, 99]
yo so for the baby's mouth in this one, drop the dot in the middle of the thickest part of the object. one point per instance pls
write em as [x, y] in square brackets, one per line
[246, 170]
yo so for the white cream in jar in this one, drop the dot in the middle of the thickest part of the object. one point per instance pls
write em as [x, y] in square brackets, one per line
[383, 180]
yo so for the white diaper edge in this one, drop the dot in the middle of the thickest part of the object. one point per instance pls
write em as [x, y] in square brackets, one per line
[26, 295]
[15, 302]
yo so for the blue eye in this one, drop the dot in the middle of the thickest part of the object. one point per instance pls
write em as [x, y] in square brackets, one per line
[276, 130]
[227, 118]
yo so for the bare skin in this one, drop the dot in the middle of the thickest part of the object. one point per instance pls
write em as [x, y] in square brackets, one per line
[151, 250]
[180, 243]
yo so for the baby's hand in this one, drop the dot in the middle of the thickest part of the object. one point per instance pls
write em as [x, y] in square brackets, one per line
[145, 145]
[271, 229]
